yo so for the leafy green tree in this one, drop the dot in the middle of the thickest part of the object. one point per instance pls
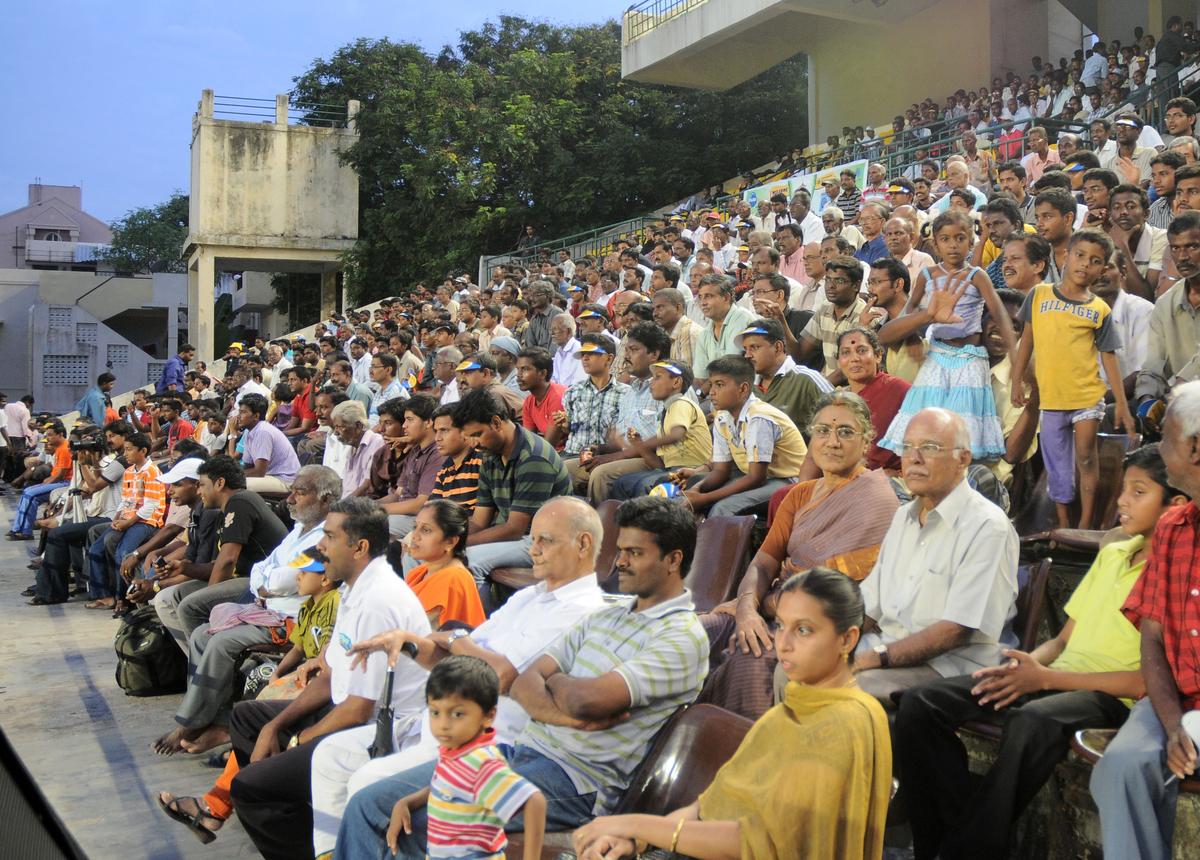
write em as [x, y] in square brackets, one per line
[150, 238]
[529, 123]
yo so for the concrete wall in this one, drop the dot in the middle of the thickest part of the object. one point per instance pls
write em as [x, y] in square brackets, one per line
[252, 182]
[46, 338]
[854, 76]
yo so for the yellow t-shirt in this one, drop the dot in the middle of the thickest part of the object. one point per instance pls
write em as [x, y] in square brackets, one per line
[990, 251]
[904, 361]
[1104, 640]
[695, 448]
[1067, 337]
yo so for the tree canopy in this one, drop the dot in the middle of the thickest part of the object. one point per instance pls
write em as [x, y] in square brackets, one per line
[150, 238]
[529, 123]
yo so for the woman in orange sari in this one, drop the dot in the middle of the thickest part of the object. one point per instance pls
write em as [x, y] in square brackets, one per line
[835, 521]
[442, 581]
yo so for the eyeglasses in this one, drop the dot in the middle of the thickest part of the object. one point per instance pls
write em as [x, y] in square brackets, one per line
[844, 431]
[838, 282]
[927, 450]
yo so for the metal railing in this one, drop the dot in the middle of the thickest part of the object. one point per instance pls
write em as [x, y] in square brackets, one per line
[595, 242]
[640, 18]
[250, 109]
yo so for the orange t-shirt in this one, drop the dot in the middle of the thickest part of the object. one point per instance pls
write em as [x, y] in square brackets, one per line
[452, 589]
[63, 465]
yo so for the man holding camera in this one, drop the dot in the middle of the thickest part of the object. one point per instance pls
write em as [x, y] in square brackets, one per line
[99, 472]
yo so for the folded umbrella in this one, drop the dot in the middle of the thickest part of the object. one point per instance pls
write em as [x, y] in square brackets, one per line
[385, 743]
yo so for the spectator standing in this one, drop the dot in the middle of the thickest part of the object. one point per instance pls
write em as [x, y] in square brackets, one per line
[91, 406]
[172, 379]
[1071, 391]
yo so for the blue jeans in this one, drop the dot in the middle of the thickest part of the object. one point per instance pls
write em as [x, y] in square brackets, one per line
[106, 554]
[31, 498]
[365, 822]
[637, 484]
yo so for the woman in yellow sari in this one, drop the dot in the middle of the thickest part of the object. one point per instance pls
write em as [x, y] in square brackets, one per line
[835, 521]
[812, 777]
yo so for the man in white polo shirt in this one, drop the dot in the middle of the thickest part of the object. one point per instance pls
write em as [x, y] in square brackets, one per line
[566, 536]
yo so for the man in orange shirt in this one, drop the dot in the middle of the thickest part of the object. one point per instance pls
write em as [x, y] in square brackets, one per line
[33, 496]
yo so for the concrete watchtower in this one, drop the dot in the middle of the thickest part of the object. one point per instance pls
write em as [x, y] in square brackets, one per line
[267, 196]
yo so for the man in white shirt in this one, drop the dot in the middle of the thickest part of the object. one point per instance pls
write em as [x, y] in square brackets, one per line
[567, 369]
[1131, 318]
[245, 384]
[898, 235]
[1095, 68]
[360, 361]
[272, 796]
[942, 593]
[566, 536]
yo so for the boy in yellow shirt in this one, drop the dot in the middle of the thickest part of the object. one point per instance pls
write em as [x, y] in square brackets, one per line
[1067, 326]
[683, 438]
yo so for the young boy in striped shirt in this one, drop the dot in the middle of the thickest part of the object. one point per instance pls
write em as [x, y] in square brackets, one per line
[473, 792]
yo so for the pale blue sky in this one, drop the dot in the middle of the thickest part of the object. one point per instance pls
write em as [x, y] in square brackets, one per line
[102, 93]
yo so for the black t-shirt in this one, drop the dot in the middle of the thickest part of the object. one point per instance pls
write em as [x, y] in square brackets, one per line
[248, 521]
[202, 533]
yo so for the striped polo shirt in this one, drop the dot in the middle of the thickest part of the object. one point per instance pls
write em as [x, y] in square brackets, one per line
[458, 483]
[472, 794]
[144, 495]
[662, 656]
[532, 475]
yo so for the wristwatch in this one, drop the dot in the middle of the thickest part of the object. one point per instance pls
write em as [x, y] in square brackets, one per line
[454, 636]
[885, 659]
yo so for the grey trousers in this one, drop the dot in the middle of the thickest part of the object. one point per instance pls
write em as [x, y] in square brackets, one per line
[399, 525]
[882, 683]
[184, 607]
[742, 503]
[212, 667]
[1137, 812]
[482, 559]
[166, 604]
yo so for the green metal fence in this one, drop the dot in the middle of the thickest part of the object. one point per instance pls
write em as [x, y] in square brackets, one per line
[641, 18]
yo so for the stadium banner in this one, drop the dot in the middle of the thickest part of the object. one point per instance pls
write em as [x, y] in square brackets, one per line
[810, 182]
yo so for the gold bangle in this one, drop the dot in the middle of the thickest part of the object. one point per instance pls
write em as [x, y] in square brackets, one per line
[675, 838]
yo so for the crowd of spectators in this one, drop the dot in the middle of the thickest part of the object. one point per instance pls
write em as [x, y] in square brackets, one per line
[873, 377]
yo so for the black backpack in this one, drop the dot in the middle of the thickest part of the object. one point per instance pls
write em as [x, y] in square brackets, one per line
[149, 663]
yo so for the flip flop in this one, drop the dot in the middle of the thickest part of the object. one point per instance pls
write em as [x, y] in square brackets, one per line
[194, 823]
[220, 758]
[96, 604]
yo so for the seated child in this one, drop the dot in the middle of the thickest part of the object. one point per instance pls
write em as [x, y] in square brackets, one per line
[473, 792]
[683, 437]
[1085, 677]
[314, 625]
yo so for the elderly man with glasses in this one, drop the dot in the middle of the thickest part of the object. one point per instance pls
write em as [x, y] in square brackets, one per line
[941, 597]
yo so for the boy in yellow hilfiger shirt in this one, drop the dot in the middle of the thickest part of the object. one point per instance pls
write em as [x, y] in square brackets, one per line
[1066, 328]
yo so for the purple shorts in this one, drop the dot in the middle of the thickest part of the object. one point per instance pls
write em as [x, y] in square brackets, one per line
[1057, 444]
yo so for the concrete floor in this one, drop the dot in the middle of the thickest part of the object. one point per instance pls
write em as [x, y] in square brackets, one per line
[86, 743]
